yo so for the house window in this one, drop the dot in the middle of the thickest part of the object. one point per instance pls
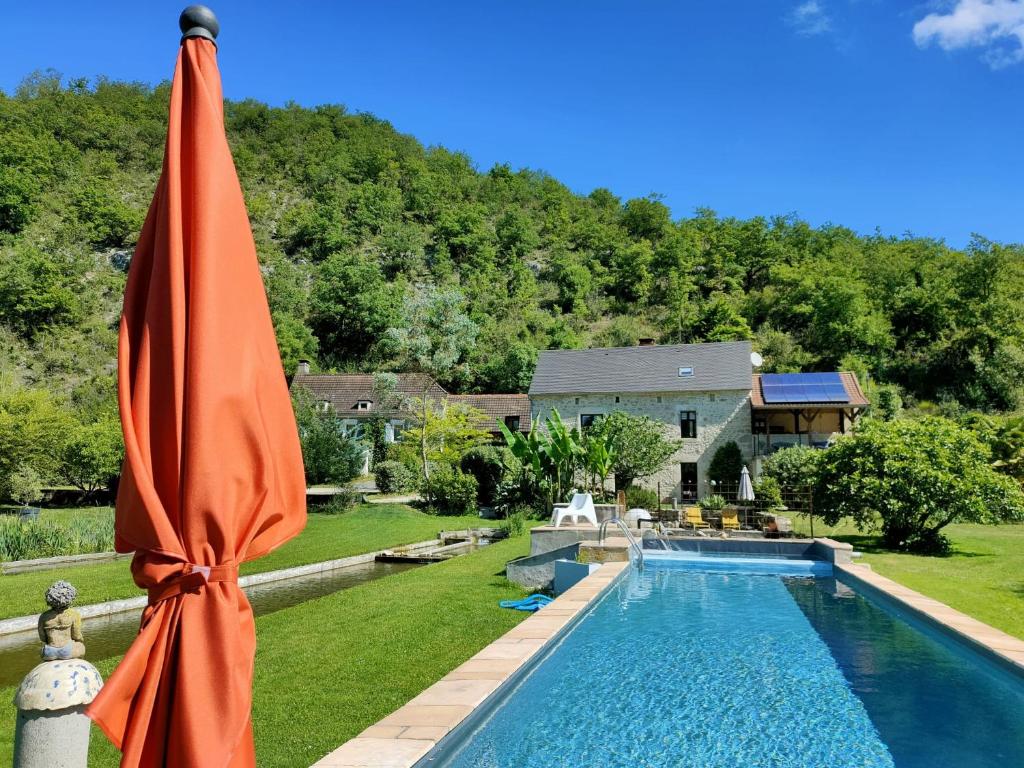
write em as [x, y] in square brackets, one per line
[687, 423]
[512, 422]
[587, 420]
[353, 431]
[577, 401]
[324, 405]
[363, 405]
[688, 480]
[616, 398]
[685, 372]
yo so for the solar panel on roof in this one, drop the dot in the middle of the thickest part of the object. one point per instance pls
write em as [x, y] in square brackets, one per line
[780, 388]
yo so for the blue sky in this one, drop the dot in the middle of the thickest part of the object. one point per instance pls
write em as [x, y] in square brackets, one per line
[902, 116]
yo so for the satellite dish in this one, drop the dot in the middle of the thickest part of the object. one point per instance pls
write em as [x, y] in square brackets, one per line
[756, 360]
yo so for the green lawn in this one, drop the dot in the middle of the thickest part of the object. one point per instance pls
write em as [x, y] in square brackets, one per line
[326, 537]
[327, 669]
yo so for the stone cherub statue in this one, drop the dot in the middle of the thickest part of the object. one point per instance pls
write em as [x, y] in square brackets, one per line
[60, 628]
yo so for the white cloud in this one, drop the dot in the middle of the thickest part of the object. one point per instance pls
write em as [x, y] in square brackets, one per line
[995, 25]
[809, 18]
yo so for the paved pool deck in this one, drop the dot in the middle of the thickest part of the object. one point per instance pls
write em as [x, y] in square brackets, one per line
[408, 733]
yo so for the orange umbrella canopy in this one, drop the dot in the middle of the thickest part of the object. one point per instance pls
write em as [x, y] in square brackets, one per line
[213, 471]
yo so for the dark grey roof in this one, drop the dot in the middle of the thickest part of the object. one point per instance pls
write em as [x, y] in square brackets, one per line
[719, 366]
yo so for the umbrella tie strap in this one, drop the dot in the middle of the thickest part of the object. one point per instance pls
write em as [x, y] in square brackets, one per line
[192, 578]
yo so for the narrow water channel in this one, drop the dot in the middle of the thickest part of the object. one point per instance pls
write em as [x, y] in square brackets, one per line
[107, 636]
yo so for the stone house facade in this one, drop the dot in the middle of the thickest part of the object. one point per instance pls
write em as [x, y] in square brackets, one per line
[705, 395]
[721, 416]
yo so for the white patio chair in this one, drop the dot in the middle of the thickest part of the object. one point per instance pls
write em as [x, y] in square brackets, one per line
[581, 506]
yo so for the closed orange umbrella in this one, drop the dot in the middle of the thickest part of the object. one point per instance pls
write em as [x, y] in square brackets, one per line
[213, 472]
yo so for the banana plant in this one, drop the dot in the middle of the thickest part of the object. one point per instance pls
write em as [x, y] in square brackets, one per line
[564, 451]
[599, 459]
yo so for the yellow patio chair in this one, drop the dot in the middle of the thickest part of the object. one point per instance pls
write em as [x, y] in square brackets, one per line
[730, 519]
[692, 518]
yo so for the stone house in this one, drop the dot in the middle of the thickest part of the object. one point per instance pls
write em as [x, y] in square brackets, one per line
[352, 397]
[704, 394]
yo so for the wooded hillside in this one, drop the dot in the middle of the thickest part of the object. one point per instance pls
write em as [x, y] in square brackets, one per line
[355, 223]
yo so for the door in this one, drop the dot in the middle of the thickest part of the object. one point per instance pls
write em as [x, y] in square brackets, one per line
[688, 481]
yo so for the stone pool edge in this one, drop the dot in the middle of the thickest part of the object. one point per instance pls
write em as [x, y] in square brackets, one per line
[402, 738]
[20, 624]
[1003, 648]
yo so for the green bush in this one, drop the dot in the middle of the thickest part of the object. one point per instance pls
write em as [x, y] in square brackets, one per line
[795, 469]
[450, 491]
[727, 464]
[514, 523]
[329, 456]
[641, 498]
[394, 477]
[52, 538]
[915, 477]
[487, 464]
[339, 503]
[767, 492]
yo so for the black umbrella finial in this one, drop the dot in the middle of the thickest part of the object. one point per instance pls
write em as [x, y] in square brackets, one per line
[199, 21]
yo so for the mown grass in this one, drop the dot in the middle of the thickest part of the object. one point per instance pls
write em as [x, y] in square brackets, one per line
[364, 529]
[328, 668]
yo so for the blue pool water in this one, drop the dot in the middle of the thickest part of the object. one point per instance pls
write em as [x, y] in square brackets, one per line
[677, 667]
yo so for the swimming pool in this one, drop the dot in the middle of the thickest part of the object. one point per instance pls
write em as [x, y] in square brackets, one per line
[681, 667]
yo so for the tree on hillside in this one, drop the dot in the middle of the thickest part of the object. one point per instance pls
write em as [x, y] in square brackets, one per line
[434, 338]
[92, 455]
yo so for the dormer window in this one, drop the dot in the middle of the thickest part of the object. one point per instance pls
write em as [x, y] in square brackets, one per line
[363, 405]
[686, 372]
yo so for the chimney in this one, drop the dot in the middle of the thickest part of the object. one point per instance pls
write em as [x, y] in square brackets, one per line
[303, 369]
[645, 342]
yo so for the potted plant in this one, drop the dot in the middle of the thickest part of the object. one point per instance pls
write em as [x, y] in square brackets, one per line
[26, 487]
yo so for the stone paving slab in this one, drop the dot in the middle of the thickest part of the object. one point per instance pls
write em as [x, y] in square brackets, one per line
[408, 733]
[974, 632]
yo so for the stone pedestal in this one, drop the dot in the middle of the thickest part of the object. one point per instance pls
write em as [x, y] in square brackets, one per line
[52, 730]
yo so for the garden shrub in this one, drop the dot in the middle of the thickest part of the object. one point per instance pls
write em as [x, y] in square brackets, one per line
[914, 477]
[767, 492]
[339, 503]
[514, 523]
[394, 477]
[328, 455]
[795, 469]
[450, 491]
[641, 498]
[487, 464]
[727, 464]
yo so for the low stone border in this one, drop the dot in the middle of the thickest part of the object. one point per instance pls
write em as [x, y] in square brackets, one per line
[28, 623]
[407, 734]
[13, 567]
[1001, 647]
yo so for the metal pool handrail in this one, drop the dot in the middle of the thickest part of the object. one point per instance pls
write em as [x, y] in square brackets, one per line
[633, 544]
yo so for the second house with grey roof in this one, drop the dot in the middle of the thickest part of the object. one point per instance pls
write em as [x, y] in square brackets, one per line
[703, 394]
